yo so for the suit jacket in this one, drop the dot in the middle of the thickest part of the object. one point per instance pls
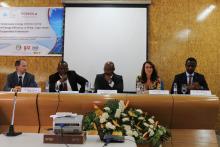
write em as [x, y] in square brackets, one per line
[182, 79]
[73, 78]
[12, 81]
[101, 83]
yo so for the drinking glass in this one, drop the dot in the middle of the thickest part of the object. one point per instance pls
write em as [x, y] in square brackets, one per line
[87, 87]
[57, 87]
[184, 88]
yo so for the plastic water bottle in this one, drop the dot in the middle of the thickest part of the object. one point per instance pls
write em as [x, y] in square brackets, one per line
[174, 88]
[47, 87]
[87, 87]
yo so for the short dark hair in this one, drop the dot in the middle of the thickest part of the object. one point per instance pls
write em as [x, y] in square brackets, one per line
[191, 59]
[63, 62]
[154, 75]
[18, 62]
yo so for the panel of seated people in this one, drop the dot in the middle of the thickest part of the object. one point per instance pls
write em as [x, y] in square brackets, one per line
[159, 106]
[194, 112]
[26, 118]
[47, 105]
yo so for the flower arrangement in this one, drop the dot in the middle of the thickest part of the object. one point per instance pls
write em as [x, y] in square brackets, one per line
[116, 118]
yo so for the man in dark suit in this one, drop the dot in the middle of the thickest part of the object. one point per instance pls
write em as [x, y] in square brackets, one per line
[65, 79]
[192, 79]
[109, 80]
[20, 78]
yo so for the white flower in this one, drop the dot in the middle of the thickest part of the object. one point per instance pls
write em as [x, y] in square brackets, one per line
[141, 118]
[125, 119]
[124, 115]
[127, 127]
[107, 109]
[145, 124]
[110, 126]
[129, 132]
[151, 120]
[118, 113]
[135, 133]
[151, 133]
[140, 111]
[121, 105]
[103, 117]
[102, 120]
[151, 126]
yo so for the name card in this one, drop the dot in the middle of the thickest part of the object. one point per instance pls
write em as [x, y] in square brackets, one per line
[201, 92]
[69, 92]
[30, 90]
[162, 92]
[106, 91]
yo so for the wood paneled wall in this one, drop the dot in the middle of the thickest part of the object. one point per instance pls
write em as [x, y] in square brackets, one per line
[174, 35]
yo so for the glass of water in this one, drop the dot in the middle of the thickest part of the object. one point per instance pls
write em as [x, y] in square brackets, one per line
[87, 87]
[57, 87]
[184, 88]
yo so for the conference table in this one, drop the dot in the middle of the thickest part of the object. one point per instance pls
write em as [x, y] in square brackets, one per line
[36, 140]
[191, 118]
[179, 138]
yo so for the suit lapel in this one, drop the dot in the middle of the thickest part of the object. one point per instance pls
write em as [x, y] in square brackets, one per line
[185, 78]
[24, 84]
[15, 78]
[195, 77]
[71, 80]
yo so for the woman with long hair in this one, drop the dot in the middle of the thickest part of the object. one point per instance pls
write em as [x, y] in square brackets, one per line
[149, 77]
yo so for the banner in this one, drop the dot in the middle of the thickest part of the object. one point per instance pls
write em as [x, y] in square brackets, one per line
[31, 31]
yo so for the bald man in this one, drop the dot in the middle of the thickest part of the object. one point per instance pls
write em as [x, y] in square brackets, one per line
[65, 79]
[109, 80]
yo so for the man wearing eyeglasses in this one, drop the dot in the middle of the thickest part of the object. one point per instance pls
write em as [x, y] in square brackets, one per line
[190, 78]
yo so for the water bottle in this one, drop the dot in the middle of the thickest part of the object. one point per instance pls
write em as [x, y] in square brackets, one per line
[174, 88]
[87, 87]
[47, 87]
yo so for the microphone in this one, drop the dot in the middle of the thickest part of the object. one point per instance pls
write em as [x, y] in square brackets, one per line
[11, 131]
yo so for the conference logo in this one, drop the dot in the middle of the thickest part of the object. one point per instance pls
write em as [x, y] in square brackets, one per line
[35, 48]
[18, 47]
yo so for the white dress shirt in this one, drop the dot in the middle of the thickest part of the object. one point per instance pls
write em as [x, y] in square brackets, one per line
[22, 77]
[188, 75]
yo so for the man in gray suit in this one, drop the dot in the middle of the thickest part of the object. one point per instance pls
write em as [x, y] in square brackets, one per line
[20, 78]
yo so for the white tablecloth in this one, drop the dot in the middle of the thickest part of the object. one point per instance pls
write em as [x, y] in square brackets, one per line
[36, 140]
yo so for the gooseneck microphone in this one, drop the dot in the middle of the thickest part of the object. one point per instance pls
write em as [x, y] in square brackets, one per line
[11, 131]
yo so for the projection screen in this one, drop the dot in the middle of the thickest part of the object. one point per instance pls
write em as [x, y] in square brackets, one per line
[94, 35]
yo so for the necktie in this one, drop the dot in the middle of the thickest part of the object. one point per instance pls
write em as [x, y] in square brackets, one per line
[190, 79]
[64, 86]
[20, 81]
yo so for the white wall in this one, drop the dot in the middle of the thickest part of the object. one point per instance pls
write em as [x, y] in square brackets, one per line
[94, 35]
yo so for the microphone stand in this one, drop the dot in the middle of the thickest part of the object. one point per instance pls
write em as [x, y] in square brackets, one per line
[11, 131]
